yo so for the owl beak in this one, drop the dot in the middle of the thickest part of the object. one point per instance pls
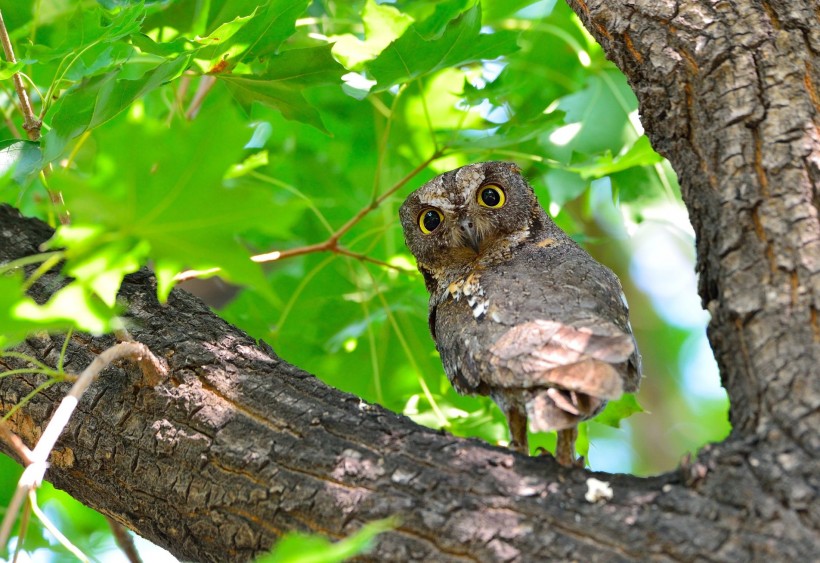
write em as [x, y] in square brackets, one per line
[470, 234]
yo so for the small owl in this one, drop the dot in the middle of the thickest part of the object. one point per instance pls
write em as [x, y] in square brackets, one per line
[518, 310]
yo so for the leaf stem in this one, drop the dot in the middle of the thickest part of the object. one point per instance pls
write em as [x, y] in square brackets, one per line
[27, 260]
[41, 270]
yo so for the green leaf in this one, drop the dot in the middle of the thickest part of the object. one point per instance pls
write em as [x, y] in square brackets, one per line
[312, 66]
[167, 49]
[615, 411]
[602, 109]
[564, 186]
[8, 69]
[273, 93]
[86, 26]
[433, 23]
[506, 135]
[639, 153]
[74, 306]
[498, 9]
[264, 32]
[168, 197]
[382, 25]
[20, 159]
[302, 548]
[103, 268]
[13, 329]
[461, 42]
[582, 441]
[99, 58]
[101, 98]
[282, 86]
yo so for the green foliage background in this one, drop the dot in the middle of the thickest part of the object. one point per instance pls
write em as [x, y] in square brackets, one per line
[313, 113]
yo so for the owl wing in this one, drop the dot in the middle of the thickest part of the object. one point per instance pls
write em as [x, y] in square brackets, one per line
[555, 337]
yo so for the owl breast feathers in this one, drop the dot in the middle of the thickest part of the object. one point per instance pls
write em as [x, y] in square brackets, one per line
[518, 310]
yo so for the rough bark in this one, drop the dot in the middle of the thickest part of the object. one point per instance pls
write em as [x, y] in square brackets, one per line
[729, 92]
[238, 446]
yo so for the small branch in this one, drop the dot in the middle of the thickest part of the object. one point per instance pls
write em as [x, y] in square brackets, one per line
[15, 442]
[124, 540]
[36, 459]
[332, 242]
[366, 258]
[25, 518]
[378, 201]
[31, 124]
[205, 84]
[53, 529]
[325, 246]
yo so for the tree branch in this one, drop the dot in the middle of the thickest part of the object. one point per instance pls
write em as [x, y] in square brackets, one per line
[237, 446]
[30, 122]
[730, 97]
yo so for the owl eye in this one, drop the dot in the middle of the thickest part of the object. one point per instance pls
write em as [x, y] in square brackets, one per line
[429, 220]
[491, 196]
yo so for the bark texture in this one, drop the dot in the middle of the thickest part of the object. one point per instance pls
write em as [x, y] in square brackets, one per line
[729, 92]
[237, 446]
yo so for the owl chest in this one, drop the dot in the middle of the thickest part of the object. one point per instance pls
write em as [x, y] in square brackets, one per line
[466, 319]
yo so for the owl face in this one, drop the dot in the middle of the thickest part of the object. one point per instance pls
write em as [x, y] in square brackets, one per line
[461, 215]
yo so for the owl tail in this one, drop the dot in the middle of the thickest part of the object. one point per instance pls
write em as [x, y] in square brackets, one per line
[582, 390]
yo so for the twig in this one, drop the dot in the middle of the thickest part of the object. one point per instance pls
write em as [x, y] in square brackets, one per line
[332, 243]
[179, 99]
[365, 258]
[32, 495]
[205, 84]
[15, 442]
[25, 518]
[152, 372]
[31, 124]
[124, 540]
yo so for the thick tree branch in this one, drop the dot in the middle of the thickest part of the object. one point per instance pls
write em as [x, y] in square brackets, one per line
[237, 446]
[729, 93]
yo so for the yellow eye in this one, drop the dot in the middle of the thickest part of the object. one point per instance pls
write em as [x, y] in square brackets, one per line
[491, 196]
[429, 220]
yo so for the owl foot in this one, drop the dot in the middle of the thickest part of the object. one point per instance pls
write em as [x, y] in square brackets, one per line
[517, 421]
[565, 448]
[579, 463]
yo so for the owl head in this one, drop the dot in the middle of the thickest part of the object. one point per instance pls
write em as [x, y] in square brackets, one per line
[463, 214]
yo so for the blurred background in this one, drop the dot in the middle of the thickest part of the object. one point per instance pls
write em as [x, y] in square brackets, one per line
[546, 98]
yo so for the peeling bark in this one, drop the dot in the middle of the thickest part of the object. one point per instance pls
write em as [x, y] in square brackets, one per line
[237, 446]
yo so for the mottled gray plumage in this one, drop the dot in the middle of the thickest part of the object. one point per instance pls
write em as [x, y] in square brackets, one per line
[518, 310]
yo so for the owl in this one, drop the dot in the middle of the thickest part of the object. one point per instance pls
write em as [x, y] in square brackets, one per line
[518, 310]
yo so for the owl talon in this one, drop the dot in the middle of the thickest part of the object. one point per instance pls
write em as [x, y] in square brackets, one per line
[565, 448]
[517, 422]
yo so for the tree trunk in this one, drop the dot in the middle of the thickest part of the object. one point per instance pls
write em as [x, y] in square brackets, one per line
[237, 446]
